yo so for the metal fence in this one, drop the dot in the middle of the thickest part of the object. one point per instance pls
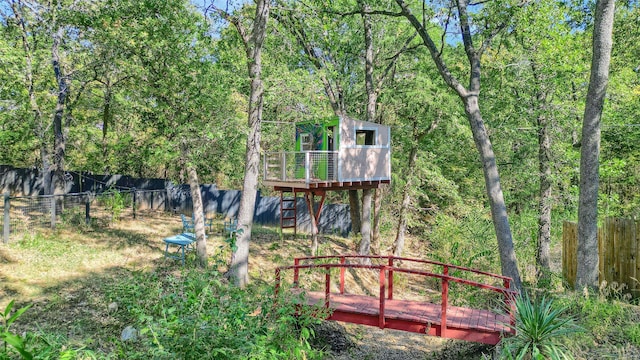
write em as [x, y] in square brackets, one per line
[26, 214]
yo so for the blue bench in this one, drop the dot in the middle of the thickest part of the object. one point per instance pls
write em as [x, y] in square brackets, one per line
[231, 226]
[183, 241]
[187, 225]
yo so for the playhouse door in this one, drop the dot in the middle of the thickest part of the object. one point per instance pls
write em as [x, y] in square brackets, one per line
[306, 144]
[331, 157]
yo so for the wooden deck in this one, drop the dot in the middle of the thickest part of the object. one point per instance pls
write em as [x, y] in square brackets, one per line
[301, 185]
[421, 317]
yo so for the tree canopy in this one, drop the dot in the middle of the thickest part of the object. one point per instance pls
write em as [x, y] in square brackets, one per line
[485, 101]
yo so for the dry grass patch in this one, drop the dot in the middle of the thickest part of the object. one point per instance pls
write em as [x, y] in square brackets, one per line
[70, 274]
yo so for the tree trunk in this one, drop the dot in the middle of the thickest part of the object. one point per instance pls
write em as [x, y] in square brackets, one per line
[354, 210]
[333, 91]
[544, 203]
[398, 244]
[469, 97]
[365, 243]
[587, 272]
[370, 86]
[240, 264]
[198, 215]
[543, 269]
[106, 122]
[310, 200]
[40, 127]
[378, 195]
[63, 90]
[372, 99]
[494, 191]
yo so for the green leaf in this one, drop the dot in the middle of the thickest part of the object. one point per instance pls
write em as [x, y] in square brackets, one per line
[7, 310]
[17, 343]
[17, 315]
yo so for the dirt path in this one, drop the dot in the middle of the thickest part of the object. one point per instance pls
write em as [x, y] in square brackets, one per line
[348, 341]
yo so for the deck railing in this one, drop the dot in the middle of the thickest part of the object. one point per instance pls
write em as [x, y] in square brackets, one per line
[307, 166]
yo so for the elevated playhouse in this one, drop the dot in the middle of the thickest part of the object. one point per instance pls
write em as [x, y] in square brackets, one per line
[337, 153]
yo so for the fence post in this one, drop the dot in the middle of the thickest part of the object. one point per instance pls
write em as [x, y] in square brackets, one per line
[134, 202]
[53, 211]
[87, 210]
[283, 164]
[307, 167]
[6, 218]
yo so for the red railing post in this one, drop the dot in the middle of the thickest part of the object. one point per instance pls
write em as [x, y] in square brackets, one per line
[510, 303]
[342, 269]
[381, 323]
[390, 290]
[296, 272]
[445, 299]
[327, 287]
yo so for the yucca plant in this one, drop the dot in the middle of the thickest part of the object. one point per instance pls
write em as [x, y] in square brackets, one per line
[539, 325]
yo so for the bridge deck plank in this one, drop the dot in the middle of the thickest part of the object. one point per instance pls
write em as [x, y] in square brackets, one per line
[415, 311]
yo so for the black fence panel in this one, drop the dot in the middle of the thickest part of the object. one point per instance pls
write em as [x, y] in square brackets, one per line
[25, 185]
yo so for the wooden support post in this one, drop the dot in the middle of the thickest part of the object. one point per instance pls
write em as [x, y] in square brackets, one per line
[327, 287]
[445, 299]
[381, 323]
[6, 223]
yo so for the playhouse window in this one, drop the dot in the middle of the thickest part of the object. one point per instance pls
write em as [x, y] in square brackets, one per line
[305, 142]
[365, 137]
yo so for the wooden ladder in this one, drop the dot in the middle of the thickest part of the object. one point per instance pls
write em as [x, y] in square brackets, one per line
[288, 210]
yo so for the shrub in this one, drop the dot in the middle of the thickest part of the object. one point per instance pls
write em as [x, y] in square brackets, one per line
[198, 315]
[540, 325]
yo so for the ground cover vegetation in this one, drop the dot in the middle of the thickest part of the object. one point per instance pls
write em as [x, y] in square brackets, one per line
[156, 88]
[78, 303]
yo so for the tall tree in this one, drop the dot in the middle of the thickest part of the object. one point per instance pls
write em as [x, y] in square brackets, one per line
[180, 98]
[587, 272]
[470, 99]
[370, 231]
[43, 20]
[354, 63]
[323, 53]
[524, 75]
[253, 40]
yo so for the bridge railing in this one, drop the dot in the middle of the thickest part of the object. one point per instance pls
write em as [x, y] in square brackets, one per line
[386, 280]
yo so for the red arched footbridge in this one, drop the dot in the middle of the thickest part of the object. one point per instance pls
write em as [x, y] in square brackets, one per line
[437, 318]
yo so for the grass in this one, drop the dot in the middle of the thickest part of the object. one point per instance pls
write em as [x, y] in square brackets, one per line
[72, 276]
